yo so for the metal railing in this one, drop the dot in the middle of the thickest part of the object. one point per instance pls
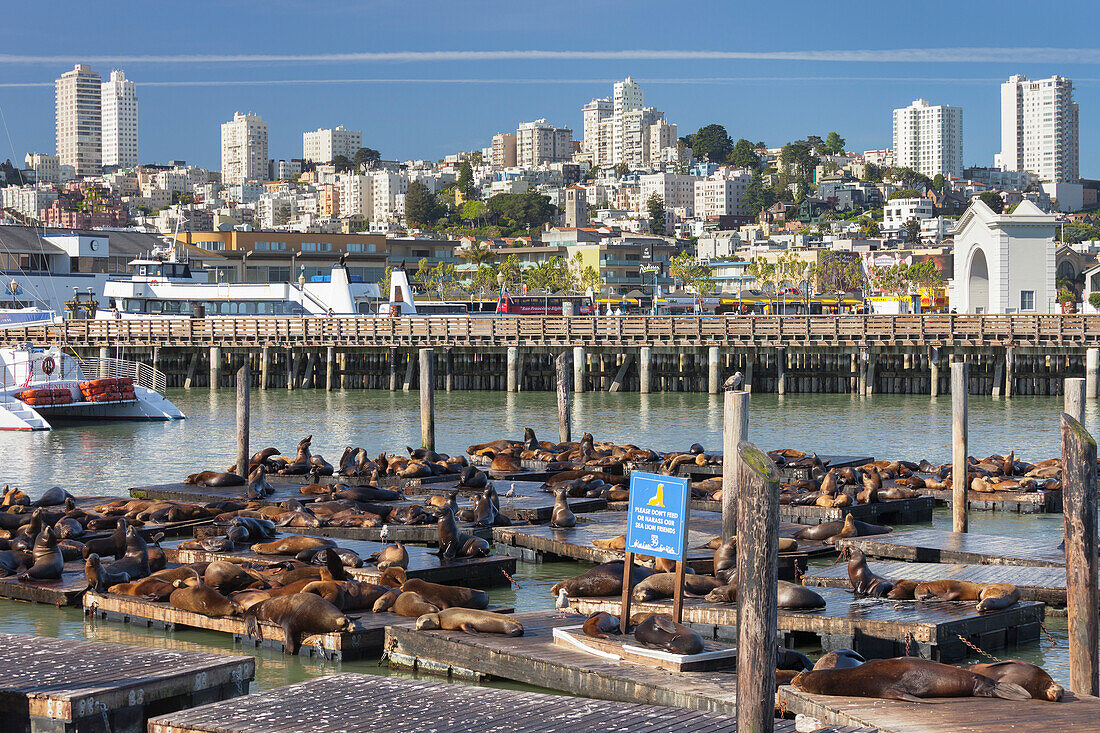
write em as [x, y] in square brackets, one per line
[142, 374]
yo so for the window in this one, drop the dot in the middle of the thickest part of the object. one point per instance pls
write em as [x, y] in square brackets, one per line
[316, 246]
[269, 246]
[1027, 300]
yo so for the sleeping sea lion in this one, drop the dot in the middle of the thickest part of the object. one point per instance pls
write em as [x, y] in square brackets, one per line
[850, 527]
[662, 632]
[795, 596]
[948, 590]
[394, 555]
[662, 585]
[412, 605]
[291, 545]
[446, 596]
[839, 659]
[600, 625]
[1028, 676]
[995, 596]
[214, 478]
[194, 596]
[471, 621]
[905, 678]
[903, 590]
[602, 580]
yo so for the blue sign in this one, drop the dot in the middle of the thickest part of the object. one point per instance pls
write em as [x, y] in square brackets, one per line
[657, 519]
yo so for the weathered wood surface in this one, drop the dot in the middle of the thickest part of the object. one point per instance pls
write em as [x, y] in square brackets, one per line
[787, 472]
[1023, 502]
[960, 470]
[355, 703]
[424, 563]
[716, 655]
[69, 681]
[937, 545]
[1082, 585]
[947, 715]
[873, 627]
[899, 511]
[1035, 583]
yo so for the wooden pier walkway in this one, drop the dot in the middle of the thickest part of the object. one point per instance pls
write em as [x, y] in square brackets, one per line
[1035, 583]
[872, 627]
[357, 703]
[424, 563]
[73, 686]
[942, 546]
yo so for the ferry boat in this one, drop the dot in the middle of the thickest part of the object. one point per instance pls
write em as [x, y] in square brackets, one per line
[162, 285]
[42, 386]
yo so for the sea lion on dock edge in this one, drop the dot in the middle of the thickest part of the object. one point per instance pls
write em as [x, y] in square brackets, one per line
[615, 543]
[906, 678]
[661, 632]
[151, 589]
[54, 496]
[663, 585]
[97, 576]
[394, 555]
[48, 561]
[602, 580]
[563, 517]
[291, 545]
[297, 613]
[864, 582]
[470, 621]
[948, 590]
[996, 596]
[197, 597]
[412, 605]
[447, 596]
[797, 597]
[724, 593]
[839, 659]
[850, 527]
[903, 590]
[1032, 678]
[725, 561]
[600, 625]
[792, 660]
[455, 544]
[215, 478]
[386, 600]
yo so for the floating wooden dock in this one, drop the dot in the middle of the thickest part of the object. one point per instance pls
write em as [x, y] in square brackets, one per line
[529, 502]
[872, 627]
[1043, 501]
[478, 572]
[898, 511]
[1035, 583]
[356, 703]
[942, 546]
[73, 686]
[533, 543]
[64, 592]
[788, 472]
[947, 715]
[206, 494]
[417, 534]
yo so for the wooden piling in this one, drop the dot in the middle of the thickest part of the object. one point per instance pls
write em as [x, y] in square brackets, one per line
[757, 583]
[735, 428]
[1074, 400]
[449, 367]
[513, 369]
[645, 363]
[934, 371]
[561, 378]
[291, 368]
[578, 368]
[1010, 371]
[265, 366]
[713, 370]
[960, 476]
[1079, 517]
[244, 385]
[427, 398]
[330, 365]
[191, 369]
[215, 367]
[1092, 365]
[781, 371]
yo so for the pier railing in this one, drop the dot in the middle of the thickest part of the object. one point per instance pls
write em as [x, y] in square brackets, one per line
[142, 374]
[594, 331]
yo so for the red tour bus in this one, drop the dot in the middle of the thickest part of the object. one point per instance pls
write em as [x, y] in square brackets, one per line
[544, 305]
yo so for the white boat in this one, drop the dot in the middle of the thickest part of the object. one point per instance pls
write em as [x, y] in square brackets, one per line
[27, 368]
[20, 317]
[161, 284]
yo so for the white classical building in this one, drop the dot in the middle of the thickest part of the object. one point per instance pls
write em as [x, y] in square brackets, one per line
[1004, 263]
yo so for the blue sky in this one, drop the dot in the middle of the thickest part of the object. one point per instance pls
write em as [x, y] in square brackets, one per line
[422, 79]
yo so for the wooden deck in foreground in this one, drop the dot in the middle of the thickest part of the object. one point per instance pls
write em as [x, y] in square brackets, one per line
[1035, 583]
[948, 715]
[942, 546]
[872, 627]
[69, 685]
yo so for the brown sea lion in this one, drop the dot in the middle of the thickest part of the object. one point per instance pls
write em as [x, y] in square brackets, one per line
[471, 478]
[615, 543]
[662, 585]
[135, 561]
[297, 613]
[386, 600]
[214, 478]
[563, 517]
[602, 580]
[209, 544]
[905, 678]
[226, 577]
[839, 659]
[724, 593]
[291, 545]
[194, 596]
[151, 589]
[662, 632]
[794, 596]
[446, 596]
[725, 560]
[864, 582]
[903, 590]
[600, 624]
[347, 595]
[412, 605]
[470, 621]
[48, 560]
[948, 590]
[98, 578]
[394, 555]
[996, 596]
[455, 544]
[114, 545]
[1028, 676]
[850, 527]
[505, 463]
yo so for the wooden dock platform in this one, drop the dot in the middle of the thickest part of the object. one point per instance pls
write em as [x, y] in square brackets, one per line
[64, 592]
[73, 686]
[416, 534]
[942, 546]
[1043, 501]
[424, 563]
[787, 472]
[947, 715]
[355, 703]
[1035, 583]
[899, 511]
[872, 627]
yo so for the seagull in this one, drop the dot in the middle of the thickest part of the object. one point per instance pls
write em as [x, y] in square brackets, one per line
[562, 604]
[511, 490]
[733, 382]
[385, 532]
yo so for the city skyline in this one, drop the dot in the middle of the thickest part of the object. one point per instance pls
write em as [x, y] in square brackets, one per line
[428, 99]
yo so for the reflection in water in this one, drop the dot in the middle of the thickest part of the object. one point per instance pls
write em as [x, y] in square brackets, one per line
[108, 459]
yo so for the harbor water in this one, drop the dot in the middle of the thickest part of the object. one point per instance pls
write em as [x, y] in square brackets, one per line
[108, 459]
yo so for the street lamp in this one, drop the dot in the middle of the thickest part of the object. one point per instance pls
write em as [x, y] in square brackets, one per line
[302, 290]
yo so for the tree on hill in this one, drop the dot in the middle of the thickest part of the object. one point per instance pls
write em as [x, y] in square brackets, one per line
[521, 210]
[743, 155]
[465, 182]
[711, 142]
[365, 156]
[657, 219]
[993, 200]
[912, 231]
[420, 206]
[834, 144]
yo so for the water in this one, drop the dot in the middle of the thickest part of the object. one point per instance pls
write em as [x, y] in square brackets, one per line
[108, 459]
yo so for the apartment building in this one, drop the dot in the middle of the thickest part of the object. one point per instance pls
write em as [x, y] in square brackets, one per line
[504, 150]
[119, 115]
[1039, 126]
[244, 149]
[79, 128]
[721, 194]
[540, 142]
[323, 145]
[928, 138]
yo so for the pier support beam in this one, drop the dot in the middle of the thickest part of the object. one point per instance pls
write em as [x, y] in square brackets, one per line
[561, 383]
[215, 367]
[578, 368]
[330, 365]
[427, 398]
[1010, 371]
[934, 371]
[393, 370]
[862, 383]
[781, 371]
[735, 428]
[1092, 366]
[620, 376]
[872, 358]
[513, 369]
[244, 386]
[265, 366]
[191, 369]
[449, 373]
[307, 376]
[1082, 588]
[291, 369]
[104, 352]
[713, 370]
[1074, 402]
[998, 376]
[645, 362]
[750, 361]
[409, 369]
[960, 474]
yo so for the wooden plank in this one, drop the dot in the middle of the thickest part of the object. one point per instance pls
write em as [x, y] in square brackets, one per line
[898, 511]
[937, 545]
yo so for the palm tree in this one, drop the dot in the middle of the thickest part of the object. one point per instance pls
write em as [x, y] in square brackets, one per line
[478, 253]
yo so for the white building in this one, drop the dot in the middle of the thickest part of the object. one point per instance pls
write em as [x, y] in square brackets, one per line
[356, 195]
[324, 144]
[928, 138]
[1004, 263]
[899, 211]
[1039, 128]
[721, 194]
[46, 168]
[244, 149]
[504, 150]
[119, 104]
[388, 196]
[27, 200]
[594, 113]
[675, 189]
[881, 158]
[78, 121]
[623, 130]
[540, 142]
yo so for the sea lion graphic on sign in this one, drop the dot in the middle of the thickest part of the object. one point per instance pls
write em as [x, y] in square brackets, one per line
[658, 515]
[659, 498]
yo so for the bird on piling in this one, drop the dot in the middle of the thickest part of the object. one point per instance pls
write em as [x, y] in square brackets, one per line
[734, 382]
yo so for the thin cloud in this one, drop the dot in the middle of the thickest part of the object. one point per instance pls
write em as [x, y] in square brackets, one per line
[885, 55]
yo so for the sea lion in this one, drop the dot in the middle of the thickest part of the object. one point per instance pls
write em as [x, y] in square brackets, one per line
[347, 595]
[948, 590]
[446, 596]
[663, 585]
[798, 597]
[53, 496]
[792, 660]
[323, 556]
[1028, 676]
[505, 463]
[662, 632]
[602, 580]
[725, 560]
[864, 582]
[455, 544]
[113, 545]
[850, 527]
[48, 561]
[151, 589]
[215, 478]
[486, 512]
[615, 543]
[470, 621]
[996, 596]
[471, 478]
[319, 466]
[97, 576]
[600, 625]
[297, 613]
[68, 528]
[291, 545]
[135, 561]
[386, 600]
[394, 555]
[258, 486]
[412, 605]
[839, 659]
[209, 544]
[195, 596]
[14, 561]
[905, 678]
[724, 593]
[563, 517]
[903, 590]
[227, 577]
